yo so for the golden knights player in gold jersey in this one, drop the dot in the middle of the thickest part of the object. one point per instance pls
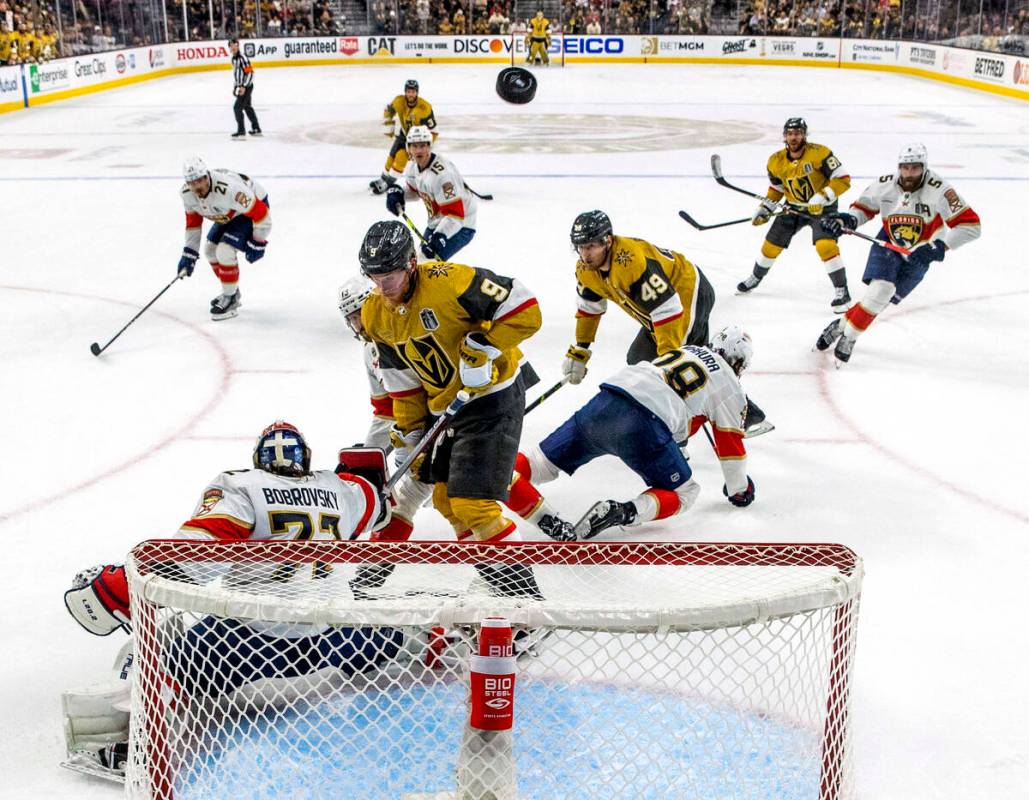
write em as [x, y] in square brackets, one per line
[442, 327]
[537, 40]
[667, 295]
[405, 111]
[810, 177]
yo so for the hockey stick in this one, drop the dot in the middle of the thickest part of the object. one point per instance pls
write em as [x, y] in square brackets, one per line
[700, 227]
[427, 440]
[480, 196]
[716, 169]
[418, 233]
[96, 349]
[545, 395]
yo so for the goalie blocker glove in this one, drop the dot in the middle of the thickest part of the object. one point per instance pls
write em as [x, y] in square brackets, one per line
[99, 599]
[741, 499]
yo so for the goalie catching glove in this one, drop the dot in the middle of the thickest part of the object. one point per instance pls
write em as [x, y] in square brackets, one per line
[478, 370]
[574, 367]
[99, 599]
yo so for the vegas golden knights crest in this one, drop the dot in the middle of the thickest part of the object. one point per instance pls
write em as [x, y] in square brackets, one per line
[905, 229]
[426, 357]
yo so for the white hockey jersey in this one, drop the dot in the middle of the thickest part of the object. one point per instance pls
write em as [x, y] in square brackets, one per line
[687, 387]
[254, 505]
[448, 202]
[232, 193]
[382, 403]
[933, 211]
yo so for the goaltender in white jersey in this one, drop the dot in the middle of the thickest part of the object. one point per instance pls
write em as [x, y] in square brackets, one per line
[238, 207]
[920, 212]
[450, 204]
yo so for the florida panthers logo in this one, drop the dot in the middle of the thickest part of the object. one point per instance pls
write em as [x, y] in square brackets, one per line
[905, 229]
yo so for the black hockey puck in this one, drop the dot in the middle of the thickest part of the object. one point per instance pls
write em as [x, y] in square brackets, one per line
[516, 85]
[94, 349]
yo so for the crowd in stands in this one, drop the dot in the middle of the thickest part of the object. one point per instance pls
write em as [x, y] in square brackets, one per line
[33, 30]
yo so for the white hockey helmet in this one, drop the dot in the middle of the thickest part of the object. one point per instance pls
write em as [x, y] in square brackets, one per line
[733, 344]
[914, 153]
[352, 295]
[419, 134]
[194, 169]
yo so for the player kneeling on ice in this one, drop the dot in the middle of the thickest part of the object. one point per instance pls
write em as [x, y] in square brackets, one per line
[280, 499]
[451, 206]
[920, 211]
[238, 207]
[640, 414]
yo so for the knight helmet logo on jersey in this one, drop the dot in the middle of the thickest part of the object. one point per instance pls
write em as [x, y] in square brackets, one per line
[429, 319]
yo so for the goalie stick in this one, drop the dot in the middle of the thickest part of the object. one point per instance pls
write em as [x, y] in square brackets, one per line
[96, 349]
[716, 169]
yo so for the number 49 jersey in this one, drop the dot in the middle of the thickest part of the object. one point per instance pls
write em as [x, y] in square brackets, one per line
[255, 505]
[685, 388]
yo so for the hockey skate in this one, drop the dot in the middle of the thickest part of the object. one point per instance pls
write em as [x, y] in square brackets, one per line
[844, 347]
[239, 136]
[603, 515]
[557, 528]
[256, 132]
[841, 301]
[107, 761]
[748, 283]
[832, 332]
[226, 306]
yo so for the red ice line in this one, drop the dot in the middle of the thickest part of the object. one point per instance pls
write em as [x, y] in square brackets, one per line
[191, 423]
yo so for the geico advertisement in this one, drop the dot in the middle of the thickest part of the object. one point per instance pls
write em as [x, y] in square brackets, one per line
[480, 46]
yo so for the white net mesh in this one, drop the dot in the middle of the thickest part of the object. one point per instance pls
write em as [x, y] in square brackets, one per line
[341, 669]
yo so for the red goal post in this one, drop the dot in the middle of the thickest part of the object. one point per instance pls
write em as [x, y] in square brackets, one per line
[675, 669]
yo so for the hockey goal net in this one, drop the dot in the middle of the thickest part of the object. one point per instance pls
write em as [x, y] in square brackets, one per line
[343, 669]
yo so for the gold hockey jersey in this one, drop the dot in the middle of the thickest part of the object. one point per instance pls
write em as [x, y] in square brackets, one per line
[404, 116]
[540, 28]
[656, 287]
[419, 340]
[800, 179]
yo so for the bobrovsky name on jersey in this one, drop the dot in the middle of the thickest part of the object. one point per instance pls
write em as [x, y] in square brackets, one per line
[573, 45]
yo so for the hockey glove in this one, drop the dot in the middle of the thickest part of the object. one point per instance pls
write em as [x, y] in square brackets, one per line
[99, 599]
[255, 250]
[404, 444]
[574, 367]
[188, 261]
[817, 202]
[763, 212]
[835, 224]
[395, 200]
[926, 254]
[477, 369]
[435, 247]
[741, 499]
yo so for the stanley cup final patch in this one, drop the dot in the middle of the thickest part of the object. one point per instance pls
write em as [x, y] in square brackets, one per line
[429, 319]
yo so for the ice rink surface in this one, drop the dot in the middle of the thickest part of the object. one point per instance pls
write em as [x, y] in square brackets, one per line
[910, 455]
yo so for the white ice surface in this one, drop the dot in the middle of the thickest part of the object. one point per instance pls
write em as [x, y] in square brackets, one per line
[910, 455]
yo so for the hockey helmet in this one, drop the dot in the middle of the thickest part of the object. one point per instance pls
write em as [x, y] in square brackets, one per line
[411, 83]
[194, 169]
[352, 295]
[590, 226]
[419, 134]
[795, 123]
[281, 450]
[914, 153]
[733, 344]
[387, 247]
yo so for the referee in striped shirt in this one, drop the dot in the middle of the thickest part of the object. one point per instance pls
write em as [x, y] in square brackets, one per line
[243, 76]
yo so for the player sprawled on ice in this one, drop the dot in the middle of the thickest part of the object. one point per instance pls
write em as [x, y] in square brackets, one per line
[640, 415]
[404, 112]
[920, 211]
[435, 179]
[238, 207]
[811, 179]
[282, 498]
[667, 295]
[440, 328]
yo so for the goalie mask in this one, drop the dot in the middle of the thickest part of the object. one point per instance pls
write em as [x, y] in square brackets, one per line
[733, 344]
[282, 450]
